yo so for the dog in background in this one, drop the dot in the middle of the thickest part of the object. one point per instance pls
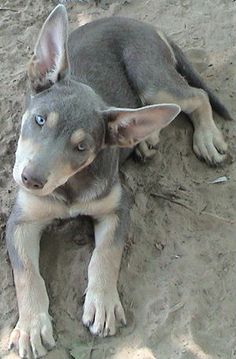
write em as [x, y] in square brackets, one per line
[97, 95]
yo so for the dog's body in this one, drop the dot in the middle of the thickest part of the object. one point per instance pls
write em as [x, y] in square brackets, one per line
[68, 154]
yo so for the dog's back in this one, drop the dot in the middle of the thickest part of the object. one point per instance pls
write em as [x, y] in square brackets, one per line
[103, 52]
[99, 53]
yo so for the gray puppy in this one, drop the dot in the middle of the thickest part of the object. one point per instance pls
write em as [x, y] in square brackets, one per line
[83, 118]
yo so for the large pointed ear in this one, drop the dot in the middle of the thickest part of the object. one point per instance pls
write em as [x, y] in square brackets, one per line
[127, 127]
[50, 59]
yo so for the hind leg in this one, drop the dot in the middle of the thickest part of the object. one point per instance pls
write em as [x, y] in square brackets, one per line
[151, 70]
[208, 141]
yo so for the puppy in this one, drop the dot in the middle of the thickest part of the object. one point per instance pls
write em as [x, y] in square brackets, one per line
[84, 116]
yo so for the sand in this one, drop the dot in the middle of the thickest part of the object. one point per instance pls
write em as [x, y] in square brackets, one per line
[177, 279]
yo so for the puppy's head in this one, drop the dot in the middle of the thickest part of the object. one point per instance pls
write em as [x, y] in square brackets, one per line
[66, 123]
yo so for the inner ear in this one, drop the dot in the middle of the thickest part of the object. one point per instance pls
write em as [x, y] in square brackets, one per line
[127, 127]
[50, 60]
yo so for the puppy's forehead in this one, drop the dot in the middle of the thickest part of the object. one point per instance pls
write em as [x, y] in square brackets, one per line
[67, 111]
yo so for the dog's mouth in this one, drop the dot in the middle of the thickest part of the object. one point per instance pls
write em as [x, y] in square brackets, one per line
[45, 191]
[40, 183]
[40, 188]
[37, 185]
[33, 190]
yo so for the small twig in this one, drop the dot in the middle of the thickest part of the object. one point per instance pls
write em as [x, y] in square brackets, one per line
[176, 307]
[7, 9]
[92, 348]
[215, 216]
[171, 200]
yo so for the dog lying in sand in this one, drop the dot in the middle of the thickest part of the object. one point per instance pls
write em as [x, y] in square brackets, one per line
[96, 96]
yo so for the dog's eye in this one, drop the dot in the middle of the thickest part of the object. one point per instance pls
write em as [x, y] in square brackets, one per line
[81, 147]
[40, 120]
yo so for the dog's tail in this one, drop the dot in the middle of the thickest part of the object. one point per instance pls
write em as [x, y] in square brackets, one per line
[194, 79]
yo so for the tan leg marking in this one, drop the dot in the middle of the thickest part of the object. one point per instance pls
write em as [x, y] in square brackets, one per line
[33, 329]
[102, 307]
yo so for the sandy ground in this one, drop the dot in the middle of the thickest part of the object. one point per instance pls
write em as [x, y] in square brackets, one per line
[177, 281]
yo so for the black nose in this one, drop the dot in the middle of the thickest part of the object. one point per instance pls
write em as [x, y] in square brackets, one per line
[31, 180]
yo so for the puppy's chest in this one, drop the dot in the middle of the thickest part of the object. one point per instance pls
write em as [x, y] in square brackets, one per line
[89, 208]
[38, 208]
[96, 207]
[78, 206]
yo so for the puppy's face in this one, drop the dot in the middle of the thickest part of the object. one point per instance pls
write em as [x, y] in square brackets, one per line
[61, 133]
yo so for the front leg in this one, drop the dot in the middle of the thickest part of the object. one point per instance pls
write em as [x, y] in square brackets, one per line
[102, 307]
[33, 331]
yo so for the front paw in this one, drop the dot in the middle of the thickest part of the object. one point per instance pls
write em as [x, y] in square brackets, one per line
[147, 148]
[32, 335]
[102, 311]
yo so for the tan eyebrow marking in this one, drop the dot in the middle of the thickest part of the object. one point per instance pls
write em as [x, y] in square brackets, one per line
[52, 119]
[77, 136]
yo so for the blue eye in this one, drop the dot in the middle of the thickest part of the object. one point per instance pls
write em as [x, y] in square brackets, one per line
[81, 147]
[40, 120]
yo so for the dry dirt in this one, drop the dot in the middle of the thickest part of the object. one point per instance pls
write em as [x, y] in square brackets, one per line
[177, 280]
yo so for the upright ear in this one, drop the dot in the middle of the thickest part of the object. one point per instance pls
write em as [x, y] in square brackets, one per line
[50, 58]
[127, 127]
